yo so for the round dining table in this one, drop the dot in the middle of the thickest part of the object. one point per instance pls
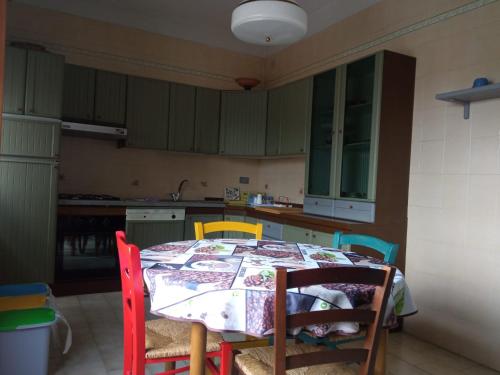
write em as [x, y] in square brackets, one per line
[227, 285]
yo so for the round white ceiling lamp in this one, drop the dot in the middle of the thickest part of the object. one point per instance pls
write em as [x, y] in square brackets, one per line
[269, 22]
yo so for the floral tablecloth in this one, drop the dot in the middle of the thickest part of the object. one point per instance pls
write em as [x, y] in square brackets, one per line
[228, 284]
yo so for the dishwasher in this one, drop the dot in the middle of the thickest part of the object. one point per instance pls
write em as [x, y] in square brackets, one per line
[146, 227]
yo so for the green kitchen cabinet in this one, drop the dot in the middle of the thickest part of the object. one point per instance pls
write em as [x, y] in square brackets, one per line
[78, 93]
[207, 119]
[203, 218]
[304, 235]
[148, 233]
[321, 135]
[239, 218]
[181, 117]
[147, 113]
[23, 136]
[321, 238]
[28, 202]
[44, 84]
[243, 123]
[296, 234]
[358, 130]
[14, 80]
[295, 116]
[110, 98]
[274, 105]
[288, 117]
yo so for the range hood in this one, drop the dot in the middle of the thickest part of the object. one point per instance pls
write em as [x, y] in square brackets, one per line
[93, 131]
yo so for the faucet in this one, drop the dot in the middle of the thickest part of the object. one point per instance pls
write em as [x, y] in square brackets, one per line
[176, 196]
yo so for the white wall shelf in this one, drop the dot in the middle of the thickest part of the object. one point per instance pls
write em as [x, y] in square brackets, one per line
[467, 96]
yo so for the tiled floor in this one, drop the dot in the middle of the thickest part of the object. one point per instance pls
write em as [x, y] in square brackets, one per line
[96, 320]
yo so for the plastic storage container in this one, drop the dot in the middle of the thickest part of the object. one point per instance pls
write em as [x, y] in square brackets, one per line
[24, 341]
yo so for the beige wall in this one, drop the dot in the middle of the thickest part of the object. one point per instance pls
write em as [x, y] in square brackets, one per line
[453, 256]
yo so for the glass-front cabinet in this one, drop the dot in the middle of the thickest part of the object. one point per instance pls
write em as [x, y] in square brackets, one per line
[343, 141]
[321, 135]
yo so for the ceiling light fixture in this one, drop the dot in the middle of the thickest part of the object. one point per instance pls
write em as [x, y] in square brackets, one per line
[269, 22]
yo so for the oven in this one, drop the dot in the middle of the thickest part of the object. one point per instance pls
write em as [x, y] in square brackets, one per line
[86, 244]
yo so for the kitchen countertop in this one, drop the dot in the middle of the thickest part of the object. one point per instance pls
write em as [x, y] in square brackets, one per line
[141, 203]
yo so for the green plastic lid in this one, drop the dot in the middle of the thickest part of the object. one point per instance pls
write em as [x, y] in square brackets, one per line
[23, 319]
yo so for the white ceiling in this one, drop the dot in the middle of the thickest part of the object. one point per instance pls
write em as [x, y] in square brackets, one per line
[203, 21]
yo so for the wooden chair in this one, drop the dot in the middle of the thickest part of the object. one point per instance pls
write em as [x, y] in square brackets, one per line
[312, 359]
[387, 249]
[159, 340]
[200, 229]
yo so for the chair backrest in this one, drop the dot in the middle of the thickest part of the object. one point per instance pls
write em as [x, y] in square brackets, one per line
[380, 278]
[133, 305]
[388, 249]
[200, 229]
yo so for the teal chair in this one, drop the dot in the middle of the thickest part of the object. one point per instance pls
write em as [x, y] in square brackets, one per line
[387, 249]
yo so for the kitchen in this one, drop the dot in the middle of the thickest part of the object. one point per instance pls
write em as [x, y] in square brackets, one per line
[145, 167]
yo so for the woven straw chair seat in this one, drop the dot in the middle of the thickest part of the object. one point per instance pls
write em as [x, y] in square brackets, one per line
[259, 361]
[169, 338]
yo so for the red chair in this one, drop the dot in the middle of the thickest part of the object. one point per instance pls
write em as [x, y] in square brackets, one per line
[159, 340]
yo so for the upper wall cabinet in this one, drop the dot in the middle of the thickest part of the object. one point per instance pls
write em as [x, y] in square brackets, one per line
[359, 139]
[147, 113]
[181, 117]
[207, 121]
[289, 113]
[243, 123]
[15, 80]
[110, 94]
[78, 93]
[33, 82]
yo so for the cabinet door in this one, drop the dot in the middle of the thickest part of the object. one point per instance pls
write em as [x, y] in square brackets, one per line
[296, 234]
[110, 96]
[235, 234]
[295, 116]
[44, 84]
[321, 238]
[243, 123]
[14, 80]
[357, 129]
[78, 93]
[147, 113]
[25, 137]
[191, 219]
[274, 118]
[181, 118]
[319, 173]
[28, 200]
[207, 121]
[148, 233]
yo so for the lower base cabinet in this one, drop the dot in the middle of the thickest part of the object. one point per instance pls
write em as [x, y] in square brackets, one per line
[303, 235]
[149, 233]
[191, 219]
[241, 219]
[28, 203]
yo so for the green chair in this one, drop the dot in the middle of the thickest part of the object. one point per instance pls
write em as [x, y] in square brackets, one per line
[387, 249]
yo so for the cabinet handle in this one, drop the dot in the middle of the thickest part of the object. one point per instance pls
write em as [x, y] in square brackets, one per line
[301, 150]
[307, 234]
[314, 236]
[340, 131]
